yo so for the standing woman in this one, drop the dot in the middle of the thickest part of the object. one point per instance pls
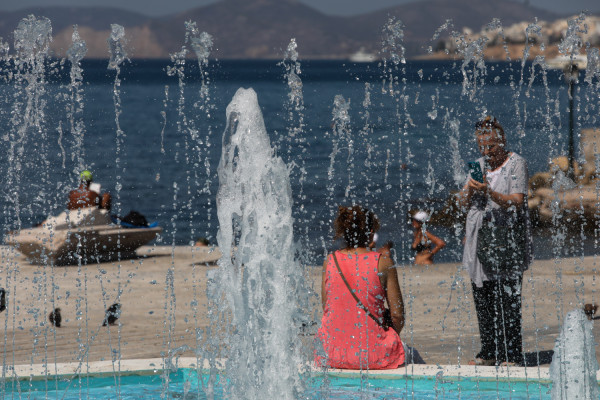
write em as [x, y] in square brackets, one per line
[353, 334]
[497, 246]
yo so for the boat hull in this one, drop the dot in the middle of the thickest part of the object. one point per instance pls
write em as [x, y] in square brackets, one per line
[83, 235]
[86, 245]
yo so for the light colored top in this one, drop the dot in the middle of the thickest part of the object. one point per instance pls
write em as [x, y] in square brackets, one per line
[350, 338]
[512, 177]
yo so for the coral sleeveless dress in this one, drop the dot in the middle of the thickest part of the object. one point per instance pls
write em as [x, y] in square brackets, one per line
[350, 339]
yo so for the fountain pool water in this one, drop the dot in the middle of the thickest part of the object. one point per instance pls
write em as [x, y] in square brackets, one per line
[391, 135]
[183, 383]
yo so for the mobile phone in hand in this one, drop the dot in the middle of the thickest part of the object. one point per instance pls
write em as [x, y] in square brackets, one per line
[475, 171]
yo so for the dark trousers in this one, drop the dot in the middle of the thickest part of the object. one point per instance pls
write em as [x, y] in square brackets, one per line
[498, 306]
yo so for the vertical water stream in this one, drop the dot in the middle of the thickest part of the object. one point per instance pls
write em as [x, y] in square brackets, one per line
[259, 282]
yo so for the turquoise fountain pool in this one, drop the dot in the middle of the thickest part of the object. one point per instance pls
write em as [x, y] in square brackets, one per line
[185, 383]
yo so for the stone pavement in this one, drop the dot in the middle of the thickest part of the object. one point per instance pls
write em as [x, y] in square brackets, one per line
[163, 297]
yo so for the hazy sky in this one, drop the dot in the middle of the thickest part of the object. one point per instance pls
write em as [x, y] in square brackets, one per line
[335, 7]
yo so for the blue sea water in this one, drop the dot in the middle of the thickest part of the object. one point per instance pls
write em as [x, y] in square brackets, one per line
[397, 152]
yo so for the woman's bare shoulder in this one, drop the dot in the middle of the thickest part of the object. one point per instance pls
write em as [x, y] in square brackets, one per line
[385, 259]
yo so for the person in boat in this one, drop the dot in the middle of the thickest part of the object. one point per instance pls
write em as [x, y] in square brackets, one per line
[354, 333]
[85, 195]
[497, 246]
[425, 244]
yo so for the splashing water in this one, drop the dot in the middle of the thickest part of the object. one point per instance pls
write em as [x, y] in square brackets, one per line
[473, 77]
[392, 50]
[118, 55]
[292, 74]
[572, 42]
[33, 36]
[393, 36]
[116, 47]
[458, 173]
[4, 50]
[593, 66]
[75, 54]
[259, 280]
[295, 140]
[341, 140]
[496, 26]
[574, 365]
[294, 107]
[32, 43]
[366, 147]
[201, 42]
[436, 35]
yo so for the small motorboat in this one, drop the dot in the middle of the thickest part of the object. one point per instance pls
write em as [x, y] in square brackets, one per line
[86, 235]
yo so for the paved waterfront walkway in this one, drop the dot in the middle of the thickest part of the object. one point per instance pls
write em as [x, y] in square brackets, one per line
[163, 294]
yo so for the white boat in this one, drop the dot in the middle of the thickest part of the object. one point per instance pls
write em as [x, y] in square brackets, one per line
[86, 234]
[362, 56]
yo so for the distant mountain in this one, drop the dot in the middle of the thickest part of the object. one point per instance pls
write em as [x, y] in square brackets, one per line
[263, 28]
[93, 22]
[422, 19]
[97, 18]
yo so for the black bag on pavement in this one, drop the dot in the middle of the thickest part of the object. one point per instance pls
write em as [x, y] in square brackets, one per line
[135, 218]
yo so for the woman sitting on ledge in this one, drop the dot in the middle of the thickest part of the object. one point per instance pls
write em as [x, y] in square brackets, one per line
[356, 282]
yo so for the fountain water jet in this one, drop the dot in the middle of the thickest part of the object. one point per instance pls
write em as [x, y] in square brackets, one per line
[75, 111]
[574, 365]
[259, 282]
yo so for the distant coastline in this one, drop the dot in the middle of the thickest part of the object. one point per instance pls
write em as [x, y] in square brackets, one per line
[263, 29]
[511, 52]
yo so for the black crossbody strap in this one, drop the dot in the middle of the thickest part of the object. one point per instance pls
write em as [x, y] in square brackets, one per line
[360, 304]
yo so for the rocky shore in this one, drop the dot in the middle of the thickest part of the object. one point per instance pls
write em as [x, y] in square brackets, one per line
[552, 194]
